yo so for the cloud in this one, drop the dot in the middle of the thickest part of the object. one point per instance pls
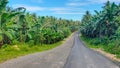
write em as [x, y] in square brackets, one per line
[62, 12]
[103, 1]
[88, 2]
[66, 10]
[53, 10]
[76, 4]
[57, 9]
[95, 1]
[30, 8]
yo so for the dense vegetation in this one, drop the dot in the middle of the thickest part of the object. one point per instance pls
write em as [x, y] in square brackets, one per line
[103, 28]
[23, 33]
[19, 26]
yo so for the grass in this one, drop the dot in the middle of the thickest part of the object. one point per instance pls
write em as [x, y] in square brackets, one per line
[89, 42]
[12, 51]
[8, 52]
[95, 44]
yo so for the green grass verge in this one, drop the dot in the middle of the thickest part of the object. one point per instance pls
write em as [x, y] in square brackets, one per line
[110, 47]
[12, 51]
[88, 42]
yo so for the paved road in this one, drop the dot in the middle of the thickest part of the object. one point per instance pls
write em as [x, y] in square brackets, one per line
[54, 58]
[82, 57]
[64, 56]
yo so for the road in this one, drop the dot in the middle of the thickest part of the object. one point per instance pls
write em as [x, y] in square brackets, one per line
[82, 57]
[71, 54]
[54, 58]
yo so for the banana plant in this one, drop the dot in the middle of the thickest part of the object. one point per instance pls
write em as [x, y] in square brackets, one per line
[6, 32]
[102, 23]
[21, 26]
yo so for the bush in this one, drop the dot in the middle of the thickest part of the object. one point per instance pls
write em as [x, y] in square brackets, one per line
[31, 43]
[14, 42]
[105, 40]
[95, 41]
[66, 32]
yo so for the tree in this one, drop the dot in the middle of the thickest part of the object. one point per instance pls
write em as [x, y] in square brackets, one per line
[103, 23]
[6, 31]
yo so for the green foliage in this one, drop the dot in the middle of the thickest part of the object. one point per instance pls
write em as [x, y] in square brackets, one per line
[23, 33]
[102, 30]
[3, 4]
[110, 47]
[19, 26]
[103, 23]
[14, 42]
[86, 18]
[91, 42]
[1, 38]
[118, 32]
[31, 43]
[66, 32]
[95, 41]
[8, 52]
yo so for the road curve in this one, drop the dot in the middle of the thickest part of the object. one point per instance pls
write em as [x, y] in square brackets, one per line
[64, 56]
[54, 58]
[82, 57]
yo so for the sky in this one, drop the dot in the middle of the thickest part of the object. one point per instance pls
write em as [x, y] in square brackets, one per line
[66, 9]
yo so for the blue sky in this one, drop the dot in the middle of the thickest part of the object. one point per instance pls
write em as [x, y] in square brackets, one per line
[68, 9]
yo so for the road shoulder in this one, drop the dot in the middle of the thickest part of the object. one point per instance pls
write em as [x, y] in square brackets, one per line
[54, 58]
[109, 56]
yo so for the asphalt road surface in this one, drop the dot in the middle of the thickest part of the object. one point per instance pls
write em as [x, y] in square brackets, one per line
[82, 57]
[54, 58]
[71, 54]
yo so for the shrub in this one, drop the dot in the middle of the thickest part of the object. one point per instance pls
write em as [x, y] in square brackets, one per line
[95, 41]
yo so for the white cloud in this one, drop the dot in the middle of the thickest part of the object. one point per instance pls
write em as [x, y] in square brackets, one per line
[67, 10]
[62, 12]
[53, 10]
[30, 8]
[88, 2]
[103, 1]
[76, 4]
[96, 1]
[57, 9]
